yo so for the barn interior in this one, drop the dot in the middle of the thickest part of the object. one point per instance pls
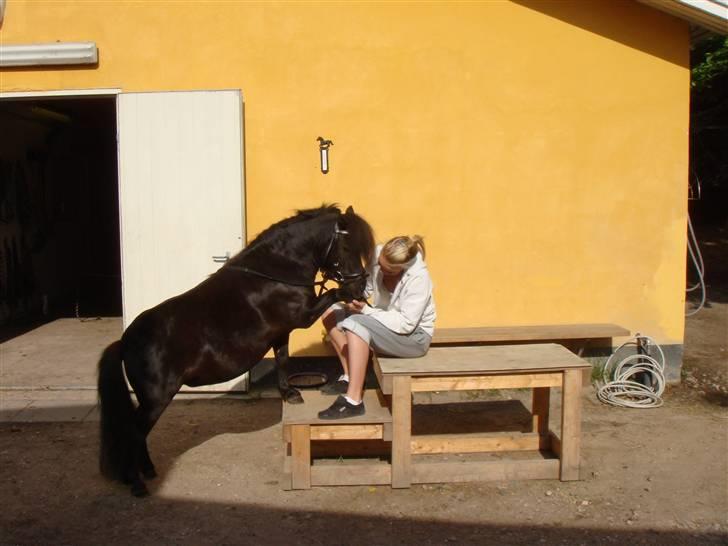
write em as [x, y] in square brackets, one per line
[59, 212]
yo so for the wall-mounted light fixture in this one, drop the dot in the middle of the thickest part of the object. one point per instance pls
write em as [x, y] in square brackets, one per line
[324, 153]
[63, 53]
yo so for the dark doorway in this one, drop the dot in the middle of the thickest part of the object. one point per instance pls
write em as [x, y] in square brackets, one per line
[59, 211]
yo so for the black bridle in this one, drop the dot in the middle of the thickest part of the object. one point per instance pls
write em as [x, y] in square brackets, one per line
[330, 272]
[334, 272]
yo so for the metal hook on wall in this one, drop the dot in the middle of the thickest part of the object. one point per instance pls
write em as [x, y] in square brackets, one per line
[324, 153]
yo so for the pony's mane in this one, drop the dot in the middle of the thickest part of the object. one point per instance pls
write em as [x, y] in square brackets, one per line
[300, 216]
[361, 235]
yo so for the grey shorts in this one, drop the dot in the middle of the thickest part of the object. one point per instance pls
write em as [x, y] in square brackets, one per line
[380, 338]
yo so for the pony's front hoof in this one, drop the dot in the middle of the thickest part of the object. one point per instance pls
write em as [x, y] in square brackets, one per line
[139, 490]
[292, 396]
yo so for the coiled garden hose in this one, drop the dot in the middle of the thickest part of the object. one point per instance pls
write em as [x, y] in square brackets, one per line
[619, 385]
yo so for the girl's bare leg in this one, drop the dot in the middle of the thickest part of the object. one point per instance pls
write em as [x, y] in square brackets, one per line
[358, 358]
[337, 338]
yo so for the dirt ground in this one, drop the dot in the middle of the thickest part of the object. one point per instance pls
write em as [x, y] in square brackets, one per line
[657, 476]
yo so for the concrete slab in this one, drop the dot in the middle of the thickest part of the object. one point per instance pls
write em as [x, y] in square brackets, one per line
[50, 411]
[10, 408]
[87, 394]
[93, 416]
[62, 353]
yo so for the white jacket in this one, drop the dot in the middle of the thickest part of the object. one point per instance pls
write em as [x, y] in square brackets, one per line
[411, 305]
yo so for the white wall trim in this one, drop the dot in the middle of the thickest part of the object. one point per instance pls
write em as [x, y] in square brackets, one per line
[111, 91]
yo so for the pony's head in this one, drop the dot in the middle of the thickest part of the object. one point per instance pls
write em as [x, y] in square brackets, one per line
[349, 252]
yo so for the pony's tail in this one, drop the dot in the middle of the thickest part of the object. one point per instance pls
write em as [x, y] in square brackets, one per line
[117, 415]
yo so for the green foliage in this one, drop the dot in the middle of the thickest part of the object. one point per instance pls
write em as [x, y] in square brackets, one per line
[710, 62]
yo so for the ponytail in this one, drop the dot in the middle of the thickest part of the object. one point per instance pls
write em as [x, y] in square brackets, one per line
[420, 242]
[402, 249]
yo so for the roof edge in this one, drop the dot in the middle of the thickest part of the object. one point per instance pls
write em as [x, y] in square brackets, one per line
[709, 14]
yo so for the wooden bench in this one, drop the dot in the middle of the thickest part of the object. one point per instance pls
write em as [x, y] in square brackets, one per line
[535, 366]
[302, 428]
[579, 334]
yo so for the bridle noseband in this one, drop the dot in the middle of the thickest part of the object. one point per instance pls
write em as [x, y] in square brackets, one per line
[330, 272]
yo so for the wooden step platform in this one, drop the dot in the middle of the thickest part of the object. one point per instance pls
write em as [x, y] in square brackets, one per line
[303, 431]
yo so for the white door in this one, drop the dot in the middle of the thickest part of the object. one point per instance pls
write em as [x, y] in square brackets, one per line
[180, 191]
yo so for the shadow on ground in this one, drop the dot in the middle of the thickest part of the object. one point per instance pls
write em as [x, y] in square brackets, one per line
[189, 522]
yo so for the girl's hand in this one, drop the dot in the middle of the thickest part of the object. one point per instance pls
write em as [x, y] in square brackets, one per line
[355, 306]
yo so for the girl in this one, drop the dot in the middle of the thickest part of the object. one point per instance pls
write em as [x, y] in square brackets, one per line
[399, 322]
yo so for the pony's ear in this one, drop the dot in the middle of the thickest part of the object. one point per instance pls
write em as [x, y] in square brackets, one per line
[349, 210]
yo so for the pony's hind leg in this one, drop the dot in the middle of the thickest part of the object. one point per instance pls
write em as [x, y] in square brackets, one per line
[141, 467]
[153, 397]
[146, 419]
[148, 413]
[131, 475]
[146, 464]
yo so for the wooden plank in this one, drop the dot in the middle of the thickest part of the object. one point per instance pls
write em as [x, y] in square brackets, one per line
[466, 471]
[300, 457]
[385, 382]
[570, 425]
[351, 474]
[495, 334]
[314, 402]
[555, 442]
[387, 432]
[401, 431]
[350, 448]
[476, 443]
[477, 382]
[540, 402]
[484, 360]
[346, 432]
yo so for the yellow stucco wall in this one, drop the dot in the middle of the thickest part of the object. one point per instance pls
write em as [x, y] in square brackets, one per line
[540, 147]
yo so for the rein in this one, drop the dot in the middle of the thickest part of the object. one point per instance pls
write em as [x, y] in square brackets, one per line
[271, 278]
[335, 275]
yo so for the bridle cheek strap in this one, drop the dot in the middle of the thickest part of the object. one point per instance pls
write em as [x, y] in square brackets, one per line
[335, 274]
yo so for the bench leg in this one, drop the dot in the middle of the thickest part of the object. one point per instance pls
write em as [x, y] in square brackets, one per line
[540, 410]
[570, 425]
[301, 456]
[401, 431]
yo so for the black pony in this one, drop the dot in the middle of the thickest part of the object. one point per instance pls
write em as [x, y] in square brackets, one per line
[225, 325]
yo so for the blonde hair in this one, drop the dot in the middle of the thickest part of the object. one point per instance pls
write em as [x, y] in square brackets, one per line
[400, 250]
